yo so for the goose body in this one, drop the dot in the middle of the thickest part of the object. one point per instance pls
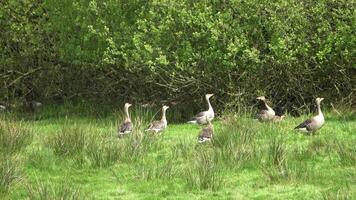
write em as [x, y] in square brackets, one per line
[205, 116]
[206, 134]
[32, 106]
[266, 113]
[159, 125]
[278, 118]
[315, 123]
[126, 126]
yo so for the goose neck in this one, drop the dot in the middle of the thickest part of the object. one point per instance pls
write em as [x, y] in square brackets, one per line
[163, 114]
[127, 113]
[267, 106]
[209, 104]
[319, 109]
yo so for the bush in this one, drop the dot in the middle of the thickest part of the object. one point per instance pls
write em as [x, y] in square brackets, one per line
[175, 50]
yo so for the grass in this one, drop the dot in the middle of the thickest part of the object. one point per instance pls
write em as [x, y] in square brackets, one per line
[77, 157]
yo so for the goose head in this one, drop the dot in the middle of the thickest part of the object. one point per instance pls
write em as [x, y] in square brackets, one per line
[35, 104]
[127, 105]
[262, 98]
[209, 95]
[318, 100]
[165, 108]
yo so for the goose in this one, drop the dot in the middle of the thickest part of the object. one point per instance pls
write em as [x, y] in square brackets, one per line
[126, 126]
[267, 113]
[206, 133]
[314, 123]
[159, 125]
[205, 116]
[32, 106]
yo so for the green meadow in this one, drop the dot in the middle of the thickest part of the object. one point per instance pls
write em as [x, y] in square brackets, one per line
[70, 156]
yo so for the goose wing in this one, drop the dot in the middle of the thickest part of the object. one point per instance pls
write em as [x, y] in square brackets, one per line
[206, 133]
[199, 115]
[156, 125]
[262, 114]
[125, 127]
[306, 124]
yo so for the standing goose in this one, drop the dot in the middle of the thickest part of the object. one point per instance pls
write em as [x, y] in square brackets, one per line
[126, 126]
[266, 113]
[315, 123]
[159, 125]
[205, 116]
[206, 133]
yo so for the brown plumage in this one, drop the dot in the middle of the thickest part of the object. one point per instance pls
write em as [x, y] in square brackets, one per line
[159, 125]
[277, 118]
[204, 116]
[206, 134]
[266, 113]
[126, 126]
[315, 123]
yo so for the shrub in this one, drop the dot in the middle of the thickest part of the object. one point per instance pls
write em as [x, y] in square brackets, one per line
[178, 49]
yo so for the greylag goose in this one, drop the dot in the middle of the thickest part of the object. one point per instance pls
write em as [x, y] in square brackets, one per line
[266, 113]
[206, 133]
[32, 106]
[126, 126]
[205, 116]
[159, 125]
[314, 123]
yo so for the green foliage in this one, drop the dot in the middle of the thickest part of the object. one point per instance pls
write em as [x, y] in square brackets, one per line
[170, 50]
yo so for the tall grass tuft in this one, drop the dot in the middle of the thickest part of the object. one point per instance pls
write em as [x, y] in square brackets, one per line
[152, 169]
[139, 143]
[276, 166]
[9, 173]
[347, 154]
[339, 193]
[101, 152]
[235, 143]
[68, 141]
[14, 136]
[204, 172]
[56, 191]
[41, 158]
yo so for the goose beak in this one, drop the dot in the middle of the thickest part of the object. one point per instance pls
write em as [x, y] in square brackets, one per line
[209, 95]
